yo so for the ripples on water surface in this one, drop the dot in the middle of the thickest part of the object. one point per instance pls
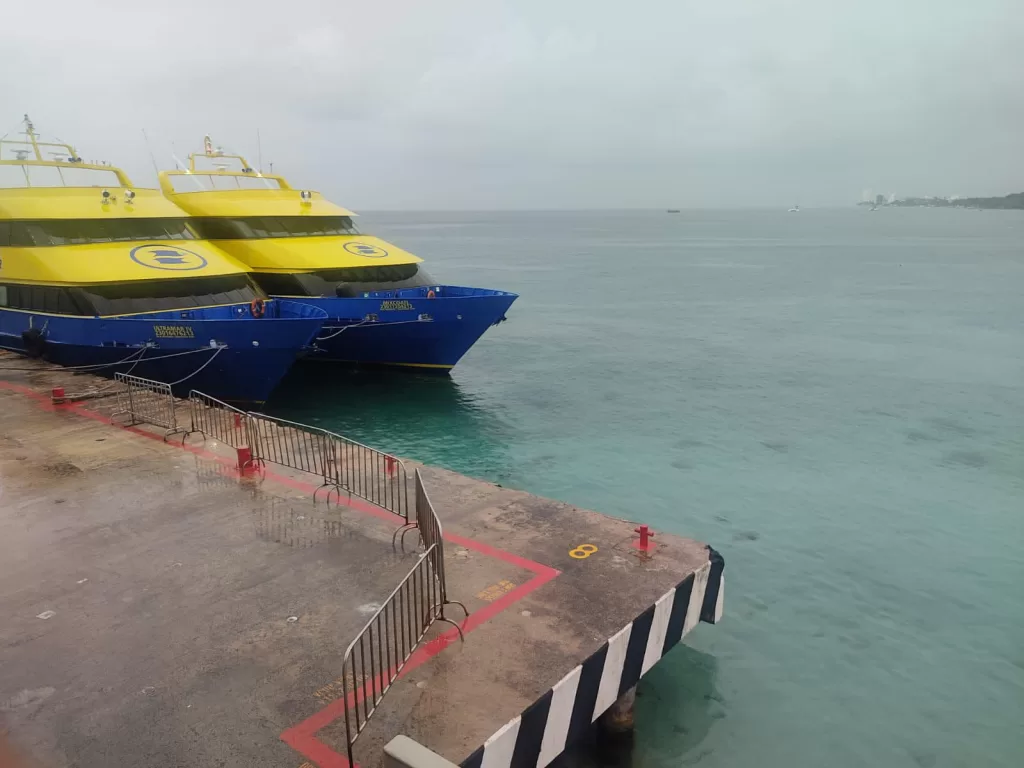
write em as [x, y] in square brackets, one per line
[833, 399]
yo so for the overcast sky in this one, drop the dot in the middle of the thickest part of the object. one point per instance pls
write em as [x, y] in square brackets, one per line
[435, 104]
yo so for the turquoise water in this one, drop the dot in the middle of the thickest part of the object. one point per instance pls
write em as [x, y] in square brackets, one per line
[833, 399]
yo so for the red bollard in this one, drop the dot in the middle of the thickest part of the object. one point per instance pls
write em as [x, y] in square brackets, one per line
[238, 421]
[244, 460]
[390, 463]
[646, 534]
[57, 395]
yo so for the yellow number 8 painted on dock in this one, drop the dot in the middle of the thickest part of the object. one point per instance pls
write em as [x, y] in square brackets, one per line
[583, 551]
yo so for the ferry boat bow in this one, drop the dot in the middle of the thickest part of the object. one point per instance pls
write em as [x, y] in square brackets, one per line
[383, 308]
[104, 277]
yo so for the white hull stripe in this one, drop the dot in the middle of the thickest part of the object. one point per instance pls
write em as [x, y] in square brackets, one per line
[565, 712]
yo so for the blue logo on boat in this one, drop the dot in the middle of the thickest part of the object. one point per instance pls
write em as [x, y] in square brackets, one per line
[168, 257]
[365, 249]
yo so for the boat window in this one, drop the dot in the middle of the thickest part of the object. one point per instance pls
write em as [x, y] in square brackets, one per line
[22, 176]
[160, 295]
[88, 177]
[257, 227]
[346, 281]
[43, 298]
[257, 182]
[281, 284]
[5, 233]
[205, 182]
[46, 232]
[12, 177]
[44, 176]
[275, 227]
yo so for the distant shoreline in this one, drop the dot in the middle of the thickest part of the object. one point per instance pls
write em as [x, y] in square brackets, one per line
[1012, 202]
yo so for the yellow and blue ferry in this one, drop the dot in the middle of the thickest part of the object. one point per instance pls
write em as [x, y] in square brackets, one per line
[383, 307]
[101, 276]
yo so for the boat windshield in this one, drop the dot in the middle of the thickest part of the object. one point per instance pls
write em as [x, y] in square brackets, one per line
[258, 227]
[25, 176]
[48, 232]
[345, 282]
[134, 297]
[212, 182]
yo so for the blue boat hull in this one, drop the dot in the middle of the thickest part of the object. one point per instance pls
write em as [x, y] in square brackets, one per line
[406, 327]
[247, 359]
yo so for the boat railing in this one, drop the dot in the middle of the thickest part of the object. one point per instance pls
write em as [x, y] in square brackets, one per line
[376, 657]
[146, 402]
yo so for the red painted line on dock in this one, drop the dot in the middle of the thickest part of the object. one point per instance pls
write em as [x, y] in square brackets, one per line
[302, 737]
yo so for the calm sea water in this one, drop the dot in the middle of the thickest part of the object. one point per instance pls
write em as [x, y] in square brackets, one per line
[833, 399]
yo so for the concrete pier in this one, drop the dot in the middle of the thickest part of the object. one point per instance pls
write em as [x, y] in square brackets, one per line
[160, 608]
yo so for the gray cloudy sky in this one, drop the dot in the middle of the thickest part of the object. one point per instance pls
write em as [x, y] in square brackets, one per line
[573, 104]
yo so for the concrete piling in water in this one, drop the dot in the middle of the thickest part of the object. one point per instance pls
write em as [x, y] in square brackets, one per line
[618, 720]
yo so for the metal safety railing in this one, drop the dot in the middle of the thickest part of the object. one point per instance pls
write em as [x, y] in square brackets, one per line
[288, 444]
[378, 477]
[379, 653]
[217, 420]
[146, 401]
[343, 465]
[429, 526]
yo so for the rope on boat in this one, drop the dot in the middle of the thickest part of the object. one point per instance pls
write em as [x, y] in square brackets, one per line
[93, 366]
[97, 366]
[367, 322]
[89, 394]
[219, 349]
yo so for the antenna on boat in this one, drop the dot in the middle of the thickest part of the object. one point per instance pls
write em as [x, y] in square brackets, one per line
[30, 132]
[150, 149]
[259, 152]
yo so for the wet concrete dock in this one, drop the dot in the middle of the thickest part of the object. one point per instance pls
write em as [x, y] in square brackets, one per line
[162, 609]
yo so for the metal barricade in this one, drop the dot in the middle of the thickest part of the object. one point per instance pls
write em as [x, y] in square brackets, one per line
[378, 477]
[215, 419]
[375, 659]
[342, 464]
[147, 402]
[289, 444]
[429, 526]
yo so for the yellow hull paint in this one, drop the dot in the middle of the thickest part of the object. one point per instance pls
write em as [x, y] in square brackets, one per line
[84, 203]
[93, 263]
[306, 254]
[240, 203]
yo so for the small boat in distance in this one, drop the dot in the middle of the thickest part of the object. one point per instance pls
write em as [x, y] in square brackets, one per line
[383, 308]
[794, 209]
[101, 276]
[672, 210]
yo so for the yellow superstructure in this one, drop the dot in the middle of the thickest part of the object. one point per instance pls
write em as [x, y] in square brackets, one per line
[231, 191]
[68, 222]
